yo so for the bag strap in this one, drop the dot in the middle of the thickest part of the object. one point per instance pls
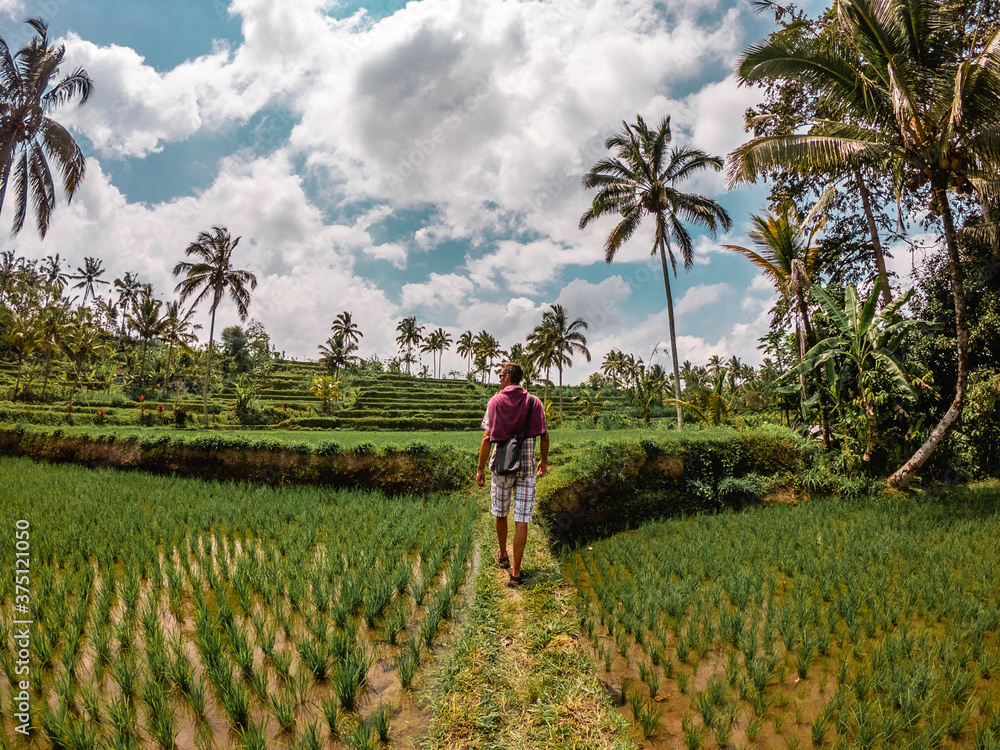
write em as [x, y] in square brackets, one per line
[527, 420]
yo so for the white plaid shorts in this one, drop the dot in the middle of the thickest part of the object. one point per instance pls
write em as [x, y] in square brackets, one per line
[518, 487]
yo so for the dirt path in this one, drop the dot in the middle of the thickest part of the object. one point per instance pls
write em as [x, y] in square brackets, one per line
[518, 677]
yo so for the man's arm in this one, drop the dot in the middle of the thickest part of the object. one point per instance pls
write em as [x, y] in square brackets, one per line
[543, 461]
[484, 456]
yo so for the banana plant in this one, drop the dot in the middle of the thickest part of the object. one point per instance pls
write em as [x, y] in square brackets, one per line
[710, 406]
[867, 339]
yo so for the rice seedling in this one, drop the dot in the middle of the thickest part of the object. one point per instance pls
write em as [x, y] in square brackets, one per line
[300, 685]
[310, 738]
[648, 718]
[723, 733]
[316, 657]
[377, 598]
[260, 684]
[760, 672]
[282, 663]
[265, 639]
[682, 681]
[817, 730]
[694, 736]
[236, 703]
[707, 709]
[65, 686]
[283, 706]
[958, 719]
[683, 648]
[634, 701]
[352, 676]
[159, 716]
[195, 696]
[79, 735]
[668, 667]
[331, 714]
[716, 690]
[653, 682]
[380, 720]
[125, 673]
[361, 737]
[91, 702]
[754, 725]
[253, 736]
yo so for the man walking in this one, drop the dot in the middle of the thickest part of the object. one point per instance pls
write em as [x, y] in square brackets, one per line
[506, 415]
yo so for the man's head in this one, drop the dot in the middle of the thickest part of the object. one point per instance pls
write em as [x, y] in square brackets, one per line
[512, 371]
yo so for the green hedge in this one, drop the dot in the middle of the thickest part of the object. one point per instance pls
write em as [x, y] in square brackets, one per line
[618, 484]
[418, 468]
[381, 423]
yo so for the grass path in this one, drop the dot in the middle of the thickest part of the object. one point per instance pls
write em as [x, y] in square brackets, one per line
[518, 677]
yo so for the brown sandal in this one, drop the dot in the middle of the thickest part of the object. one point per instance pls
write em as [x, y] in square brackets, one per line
[503, 562]
[515, 580]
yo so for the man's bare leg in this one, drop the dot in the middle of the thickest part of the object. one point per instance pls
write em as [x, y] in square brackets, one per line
[502, 536]
[520, 539]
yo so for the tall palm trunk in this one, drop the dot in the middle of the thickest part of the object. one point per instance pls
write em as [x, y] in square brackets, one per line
[673, 337]
[905, 473]
[208, 364]
[560, 395]
[800, 284]
[876, 243]
[17, 380]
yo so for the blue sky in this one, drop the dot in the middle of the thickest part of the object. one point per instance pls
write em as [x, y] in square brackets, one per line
[397, 159]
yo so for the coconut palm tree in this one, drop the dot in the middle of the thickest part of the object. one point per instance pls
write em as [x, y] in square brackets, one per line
[346, 328]
[612, 365]
[147, 323]
[465, 348]
[566, 339]
[53, 272]
[410, 335]
[52, 325]
[715, 365]
[437, 343]
[128, 288]
[89, 277]
[542, 350]
[23, 335]
[790, 260]
[640, 181]
[31, 142]
[337, 353]
[178, 329]
[900, 95]
[488, 349]
[82, 343]
[9, 267]
[519, 354]
[429, 345]
[213, 276]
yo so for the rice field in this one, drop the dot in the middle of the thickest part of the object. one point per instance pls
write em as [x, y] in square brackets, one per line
[174, 612]
[869, 624]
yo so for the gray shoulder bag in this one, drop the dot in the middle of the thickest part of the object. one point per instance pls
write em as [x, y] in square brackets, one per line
[508, 455]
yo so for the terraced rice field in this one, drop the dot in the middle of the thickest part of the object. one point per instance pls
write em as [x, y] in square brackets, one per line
[833, 624]
[171, 612]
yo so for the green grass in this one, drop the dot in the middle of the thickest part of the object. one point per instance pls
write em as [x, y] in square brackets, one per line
[109, 550]
[561, 437]
[900, 592]
[517, 677]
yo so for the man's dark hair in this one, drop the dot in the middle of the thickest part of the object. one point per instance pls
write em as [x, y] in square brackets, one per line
[514, 370]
